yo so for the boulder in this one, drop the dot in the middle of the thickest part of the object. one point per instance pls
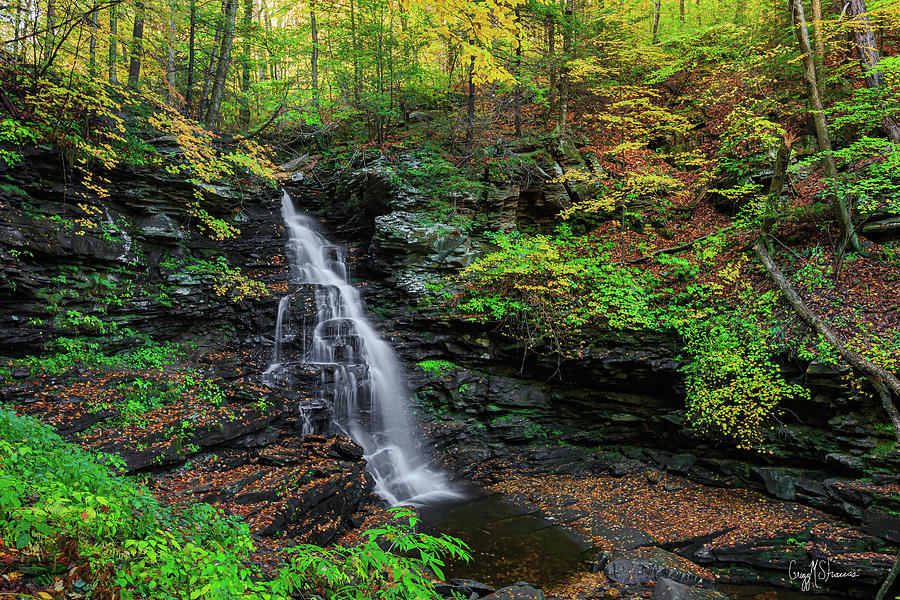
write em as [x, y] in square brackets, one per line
[882, 523]
[518, 591]
[416, 250]
[668, 589]
[646, 565]
[467, 588]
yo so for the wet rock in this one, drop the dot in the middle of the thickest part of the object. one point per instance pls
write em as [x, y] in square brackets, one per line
[778, 483]
[882, 523]
[621, 537]
[518, 591]
[416, 249]
[646, 565]
[295, 488]
[466, 587]
[668, 589]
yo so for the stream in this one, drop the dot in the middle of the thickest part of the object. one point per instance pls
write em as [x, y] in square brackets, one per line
[508, 544]
[360, 377]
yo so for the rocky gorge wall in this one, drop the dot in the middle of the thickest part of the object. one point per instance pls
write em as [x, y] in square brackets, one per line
[626, 397]
[124, 274]
[146, 264]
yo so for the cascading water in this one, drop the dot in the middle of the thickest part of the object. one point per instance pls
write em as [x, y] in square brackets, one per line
[360, 374]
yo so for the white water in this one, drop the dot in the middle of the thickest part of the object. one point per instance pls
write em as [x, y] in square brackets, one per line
[370, 401]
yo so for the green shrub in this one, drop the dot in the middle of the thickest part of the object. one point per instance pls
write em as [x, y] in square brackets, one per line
[51, 491]
[435, 368]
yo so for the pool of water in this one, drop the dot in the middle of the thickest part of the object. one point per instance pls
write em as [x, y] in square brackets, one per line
[508, 543]
[756, 592]
[511, 543]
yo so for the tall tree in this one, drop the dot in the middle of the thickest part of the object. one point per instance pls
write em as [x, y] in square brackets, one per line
[565, 77]
[92, 60]
[314, 59]
[246, 57]
[17, 22]
[657, 13]
[551, 54]
[838, 205]
[113, 40]
[137, 43]
[517, 98]
[50, 33]
[470, 106]
[170, 52]
[819, 35]
[357, 76]
[210, 71]
[869, 58]
[192, 35]
[221, 77]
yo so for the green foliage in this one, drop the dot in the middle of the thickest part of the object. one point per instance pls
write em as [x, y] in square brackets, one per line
[873, 162]
[51, 491]
[436, 368]
[552, 289]
[227, 280]
[733, 386]
[143, 394]
[215, 228]
[392, 562]
[16, 133]
[76, 351]
[560, 291]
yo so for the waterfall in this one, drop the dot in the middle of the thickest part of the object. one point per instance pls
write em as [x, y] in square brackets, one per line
[360, 373]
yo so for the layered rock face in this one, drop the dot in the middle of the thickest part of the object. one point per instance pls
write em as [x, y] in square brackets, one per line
[119, 274]
[618, 412]
[626, 392]
[621, 404]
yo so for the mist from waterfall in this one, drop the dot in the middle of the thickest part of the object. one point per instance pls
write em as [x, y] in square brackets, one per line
[360, 373]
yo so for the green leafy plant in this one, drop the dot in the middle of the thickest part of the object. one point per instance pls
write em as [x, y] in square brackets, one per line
[392, 562]
[437, 368]
[52, 492]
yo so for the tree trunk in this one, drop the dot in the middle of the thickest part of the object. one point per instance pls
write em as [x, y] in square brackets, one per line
[357, 77]
[92, 61]
[470, 107]
[565, 79]
[314, 60]
[245, 60]
[551, 52]
[221, 76]
[16, 30]
[883, 380]
[266, 20]
[113, 34]
[50, 35]
[819, 35]
[781, 165]
[869, 58]
[838, 206]
[681, 10]
[137, 41]
[203, 101]
[518, 71]
[657, 12]
[699, 16]
[170, 58]
[192, 35]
